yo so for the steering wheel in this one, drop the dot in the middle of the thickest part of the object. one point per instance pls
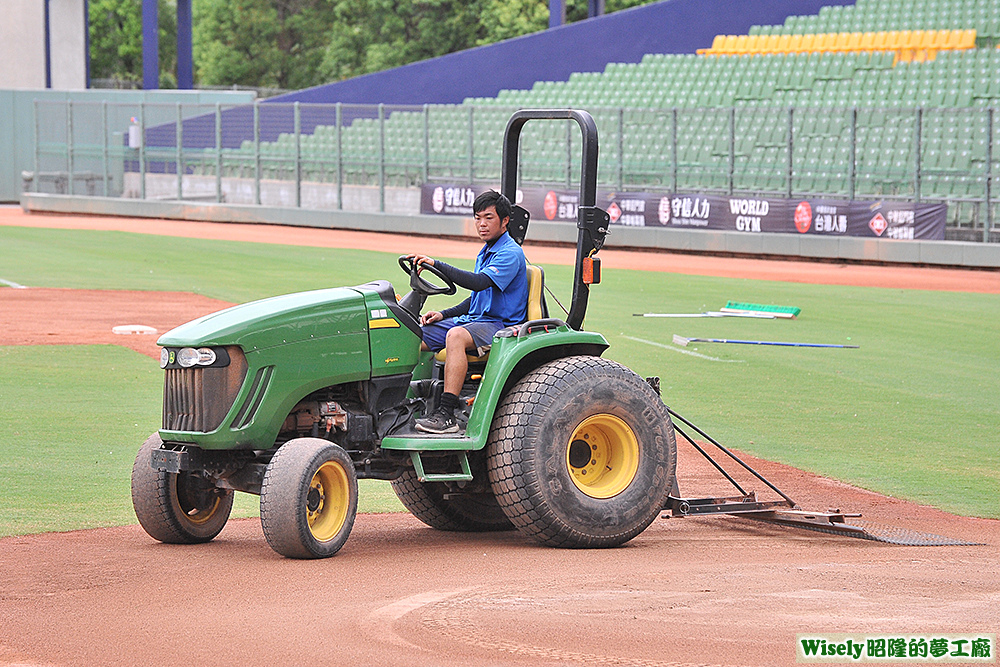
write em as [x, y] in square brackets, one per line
[421, 285]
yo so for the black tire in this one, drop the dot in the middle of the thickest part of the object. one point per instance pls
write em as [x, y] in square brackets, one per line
[309, 499]
[471, 511]
[573, 417]
[176, 508]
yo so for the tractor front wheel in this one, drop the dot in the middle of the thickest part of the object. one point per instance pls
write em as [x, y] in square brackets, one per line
[176, 508]
[309, 499]
[582, 453]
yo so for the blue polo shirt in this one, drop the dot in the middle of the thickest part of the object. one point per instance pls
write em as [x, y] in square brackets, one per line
[507, 301]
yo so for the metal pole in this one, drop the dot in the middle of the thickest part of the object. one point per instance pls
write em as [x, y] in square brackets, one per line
[621, 148]
[732, 149]
[298, 156]
[180, 152]
[38, 155]
[791, 148]
[988, 227]
[104, 143]
[340, 161]
[569, 154]
[427, 144]
[218, 152]
[256, 152]
[673, 149]
[69, 145]
[916, 138]
[142, 150]
[381, 157]
[472, 141]
[852, 167]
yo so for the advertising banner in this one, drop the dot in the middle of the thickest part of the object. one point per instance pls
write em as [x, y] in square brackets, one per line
[760, 215]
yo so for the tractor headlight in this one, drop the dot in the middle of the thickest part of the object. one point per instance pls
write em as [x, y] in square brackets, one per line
[191, 357]
[206, 356]
[187, 357]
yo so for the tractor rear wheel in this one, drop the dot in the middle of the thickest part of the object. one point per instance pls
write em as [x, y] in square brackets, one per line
[309, 499]
[582, 453]
[435, 504]
[176, 508]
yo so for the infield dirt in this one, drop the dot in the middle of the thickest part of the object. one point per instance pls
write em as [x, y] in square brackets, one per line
[693, 591]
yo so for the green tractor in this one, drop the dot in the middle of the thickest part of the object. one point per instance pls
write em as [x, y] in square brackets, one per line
[296, 397]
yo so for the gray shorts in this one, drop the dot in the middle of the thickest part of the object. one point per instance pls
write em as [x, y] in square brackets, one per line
[482, 332]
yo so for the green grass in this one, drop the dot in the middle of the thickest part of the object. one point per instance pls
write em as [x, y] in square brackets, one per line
[913, 413]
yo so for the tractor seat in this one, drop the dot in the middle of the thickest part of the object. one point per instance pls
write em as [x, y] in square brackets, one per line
[537, 309]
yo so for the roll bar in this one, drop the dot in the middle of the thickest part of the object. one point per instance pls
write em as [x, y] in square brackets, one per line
[592, 222]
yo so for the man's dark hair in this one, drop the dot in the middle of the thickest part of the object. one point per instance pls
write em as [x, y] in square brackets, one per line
[495, 199]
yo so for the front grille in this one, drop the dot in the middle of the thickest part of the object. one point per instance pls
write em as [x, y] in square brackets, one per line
[198, 399]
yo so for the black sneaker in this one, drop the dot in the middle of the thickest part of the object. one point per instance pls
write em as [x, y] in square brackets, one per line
[439, 422]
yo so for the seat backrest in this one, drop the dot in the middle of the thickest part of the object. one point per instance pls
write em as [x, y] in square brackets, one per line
[536, 298]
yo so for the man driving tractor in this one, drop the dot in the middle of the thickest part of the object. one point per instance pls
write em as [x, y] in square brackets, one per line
[499, 297]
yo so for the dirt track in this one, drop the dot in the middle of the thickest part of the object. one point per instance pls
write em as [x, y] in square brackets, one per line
[687, 591]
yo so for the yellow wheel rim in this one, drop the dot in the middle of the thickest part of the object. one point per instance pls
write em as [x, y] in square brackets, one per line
[602, 456]
[188, 503]
[327, 501]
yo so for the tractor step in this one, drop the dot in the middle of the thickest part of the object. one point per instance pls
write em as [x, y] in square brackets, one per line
[465, 475]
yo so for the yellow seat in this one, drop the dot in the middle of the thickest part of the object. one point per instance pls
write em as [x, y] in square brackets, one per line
[824, 41]
[716, 47]
[795, 44]
[536, 308]
[937, 39]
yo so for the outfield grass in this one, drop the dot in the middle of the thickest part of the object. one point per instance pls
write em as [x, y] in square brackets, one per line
[913, 413]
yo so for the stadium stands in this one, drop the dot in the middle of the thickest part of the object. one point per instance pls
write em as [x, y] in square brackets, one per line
[840, 104]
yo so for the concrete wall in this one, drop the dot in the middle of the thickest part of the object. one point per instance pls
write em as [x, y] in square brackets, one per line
[278, 193]
[68, 30]
[940, 253]
[22, 44]
[671, 26]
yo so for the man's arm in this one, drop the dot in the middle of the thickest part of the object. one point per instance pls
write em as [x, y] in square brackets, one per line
[475, 282]
[455, 311]
[470, 280]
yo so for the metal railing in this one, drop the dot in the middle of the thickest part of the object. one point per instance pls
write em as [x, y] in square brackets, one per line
[375, 157]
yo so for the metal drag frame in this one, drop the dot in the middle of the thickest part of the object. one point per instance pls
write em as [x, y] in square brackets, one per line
[785, 511]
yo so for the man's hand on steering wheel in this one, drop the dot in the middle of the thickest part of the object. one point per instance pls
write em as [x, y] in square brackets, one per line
[413, 264]
[420, 260]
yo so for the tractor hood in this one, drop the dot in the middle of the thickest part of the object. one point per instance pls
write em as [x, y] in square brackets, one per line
[279, 320]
